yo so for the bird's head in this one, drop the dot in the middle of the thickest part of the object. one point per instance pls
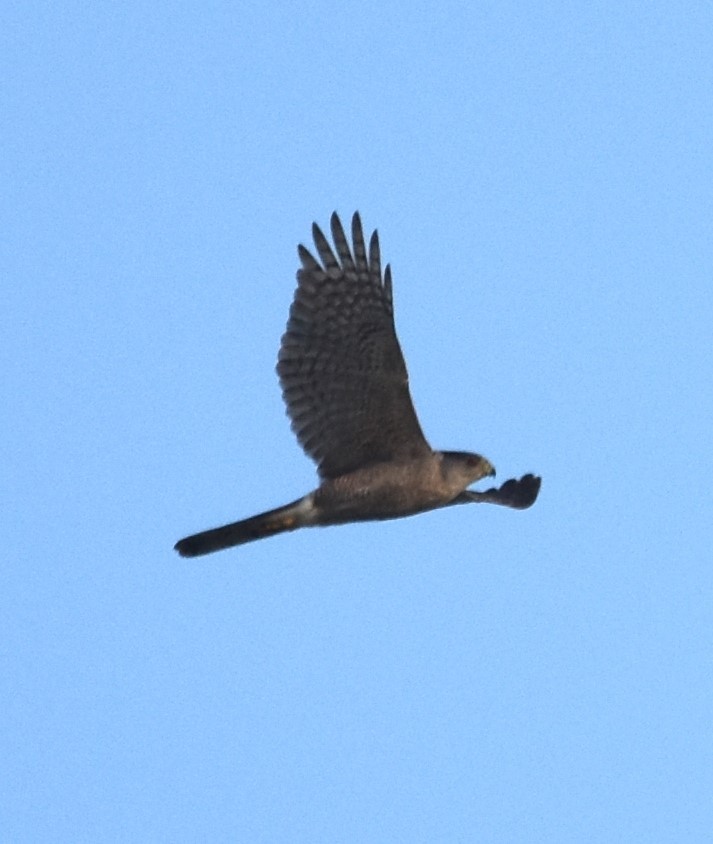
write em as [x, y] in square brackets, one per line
[462, 468]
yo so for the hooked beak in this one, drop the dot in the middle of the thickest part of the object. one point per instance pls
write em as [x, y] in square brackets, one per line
[487, 468]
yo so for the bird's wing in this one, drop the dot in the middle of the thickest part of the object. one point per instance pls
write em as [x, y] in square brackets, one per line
[341, 369]
[518, 493]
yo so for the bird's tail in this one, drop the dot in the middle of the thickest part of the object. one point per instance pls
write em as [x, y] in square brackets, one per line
[289, 517]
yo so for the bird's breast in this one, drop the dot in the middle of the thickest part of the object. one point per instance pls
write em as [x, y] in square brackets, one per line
[382, 491]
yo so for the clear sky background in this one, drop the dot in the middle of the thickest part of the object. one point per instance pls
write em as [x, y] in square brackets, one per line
[541, 175]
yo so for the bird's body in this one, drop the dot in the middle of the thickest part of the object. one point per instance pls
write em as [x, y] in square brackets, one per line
[345, 384]
[391, 490]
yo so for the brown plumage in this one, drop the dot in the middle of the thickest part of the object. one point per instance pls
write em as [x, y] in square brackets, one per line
[345, 384]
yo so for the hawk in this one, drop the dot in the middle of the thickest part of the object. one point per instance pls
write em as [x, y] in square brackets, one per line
[345, 384]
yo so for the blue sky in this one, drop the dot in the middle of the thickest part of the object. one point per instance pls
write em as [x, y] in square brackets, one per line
[540, 175]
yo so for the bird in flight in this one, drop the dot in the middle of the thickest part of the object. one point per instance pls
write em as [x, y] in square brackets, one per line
[345, 384]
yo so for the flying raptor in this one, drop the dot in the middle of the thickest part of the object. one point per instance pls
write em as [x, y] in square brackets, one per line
[345, 384]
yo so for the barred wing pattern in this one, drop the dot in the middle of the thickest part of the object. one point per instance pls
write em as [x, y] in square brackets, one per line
[341, 369]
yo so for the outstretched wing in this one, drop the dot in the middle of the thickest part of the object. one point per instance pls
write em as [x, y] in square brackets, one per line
[519, 494]
[341, 369]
